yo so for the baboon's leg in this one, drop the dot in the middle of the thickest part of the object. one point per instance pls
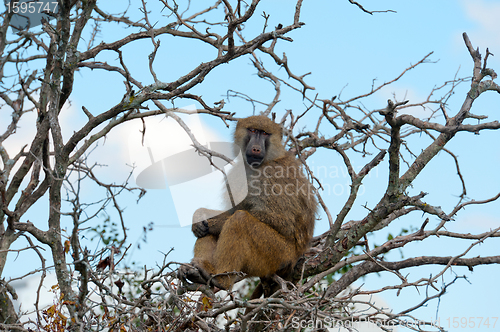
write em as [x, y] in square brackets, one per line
[202, 264]
[204, 249]
[248, 245]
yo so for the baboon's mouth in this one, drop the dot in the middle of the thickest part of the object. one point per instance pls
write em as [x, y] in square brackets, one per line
[254, 161]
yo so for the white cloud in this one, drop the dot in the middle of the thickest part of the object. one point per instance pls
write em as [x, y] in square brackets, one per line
[485, 13]
[164, 136]
[26, 290]
[26, 128]
[23, 135]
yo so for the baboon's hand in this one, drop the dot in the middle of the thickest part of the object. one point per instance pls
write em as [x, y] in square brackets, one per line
[200, 229]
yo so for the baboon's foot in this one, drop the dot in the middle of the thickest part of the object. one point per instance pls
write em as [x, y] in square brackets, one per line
[193, 273]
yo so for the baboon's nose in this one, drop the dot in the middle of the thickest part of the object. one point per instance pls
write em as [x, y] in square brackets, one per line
[256, 149]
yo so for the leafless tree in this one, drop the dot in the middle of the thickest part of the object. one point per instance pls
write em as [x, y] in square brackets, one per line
[38, 68]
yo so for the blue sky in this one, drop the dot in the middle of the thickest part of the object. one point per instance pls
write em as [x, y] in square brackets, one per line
[344, 49]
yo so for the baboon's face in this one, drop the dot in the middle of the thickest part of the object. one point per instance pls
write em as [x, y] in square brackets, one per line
[257, 142]
[259, 139]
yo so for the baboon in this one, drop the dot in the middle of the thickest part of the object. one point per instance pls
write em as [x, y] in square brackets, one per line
[271, 228]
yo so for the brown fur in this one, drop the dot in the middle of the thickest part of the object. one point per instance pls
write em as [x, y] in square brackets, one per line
[271, 228]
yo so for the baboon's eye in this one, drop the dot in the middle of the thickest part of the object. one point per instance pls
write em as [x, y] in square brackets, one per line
[254, 131]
